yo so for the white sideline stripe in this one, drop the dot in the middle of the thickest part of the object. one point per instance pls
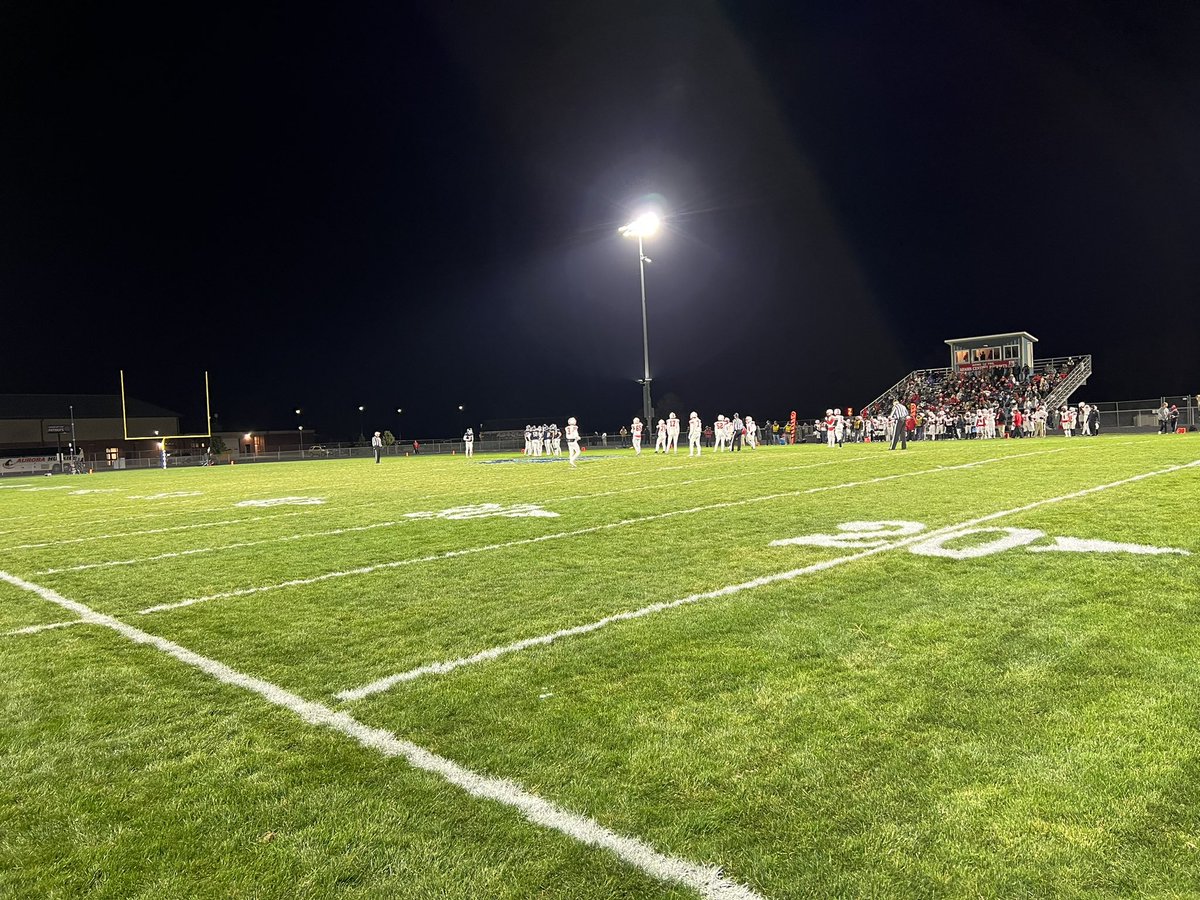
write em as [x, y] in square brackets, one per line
[104, 537]
[705, 880]
[451, 554]
[359, 528]
[34, 629]
[441, 668]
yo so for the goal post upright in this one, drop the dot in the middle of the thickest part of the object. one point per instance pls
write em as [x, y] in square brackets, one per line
[163, 438]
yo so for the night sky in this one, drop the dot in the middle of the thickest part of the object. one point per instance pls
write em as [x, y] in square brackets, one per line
[415, 205]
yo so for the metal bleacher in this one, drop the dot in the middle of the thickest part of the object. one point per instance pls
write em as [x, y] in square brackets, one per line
[1079, 369]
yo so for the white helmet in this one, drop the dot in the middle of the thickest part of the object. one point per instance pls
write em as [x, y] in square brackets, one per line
[672, 415]
[829, 412]
[837, 412]
[695, 415]
[637, 421]
[571, 421]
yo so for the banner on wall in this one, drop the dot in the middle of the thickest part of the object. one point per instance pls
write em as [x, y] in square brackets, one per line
[26, 465]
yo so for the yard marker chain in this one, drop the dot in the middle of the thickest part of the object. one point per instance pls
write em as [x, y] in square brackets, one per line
[705, 880]
[441, 668]
[640, 520]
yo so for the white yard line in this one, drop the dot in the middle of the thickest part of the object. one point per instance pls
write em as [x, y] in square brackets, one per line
[441, 668]
[34, 629]
[704, 880]
[640, 520]
[239, 545]
[673, 484]
[82, 567]
[105, 537]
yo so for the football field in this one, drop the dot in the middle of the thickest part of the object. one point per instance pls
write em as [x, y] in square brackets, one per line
[968, 669]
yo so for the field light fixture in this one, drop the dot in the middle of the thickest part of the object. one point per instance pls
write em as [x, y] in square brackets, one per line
[642, 227]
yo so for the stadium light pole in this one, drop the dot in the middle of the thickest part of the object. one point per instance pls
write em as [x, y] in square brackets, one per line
[302, 442]
[362, 435]
[641, 228]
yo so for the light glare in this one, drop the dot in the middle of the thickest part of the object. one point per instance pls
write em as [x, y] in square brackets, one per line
[643, 226]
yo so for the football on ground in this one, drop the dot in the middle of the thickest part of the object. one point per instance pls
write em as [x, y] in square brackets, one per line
[968, 669]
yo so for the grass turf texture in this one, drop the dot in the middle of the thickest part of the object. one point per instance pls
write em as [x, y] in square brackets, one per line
[1017, 724]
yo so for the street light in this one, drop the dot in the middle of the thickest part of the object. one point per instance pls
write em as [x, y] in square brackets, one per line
[362, 436]
[302, 442]
[642, 227]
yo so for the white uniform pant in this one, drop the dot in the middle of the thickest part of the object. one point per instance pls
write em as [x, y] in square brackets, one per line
[693, 445]
[468, 448]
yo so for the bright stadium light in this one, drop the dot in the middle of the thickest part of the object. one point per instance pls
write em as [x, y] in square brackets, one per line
[641, 228]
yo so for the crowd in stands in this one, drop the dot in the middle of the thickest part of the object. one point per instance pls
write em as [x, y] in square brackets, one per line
[1004, 387]
[946, 404]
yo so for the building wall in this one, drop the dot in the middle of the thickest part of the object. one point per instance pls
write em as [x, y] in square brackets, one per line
[16, 433]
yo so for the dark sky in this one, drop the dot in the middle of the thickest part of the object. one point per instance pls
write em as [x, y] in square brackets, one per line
[415, 205]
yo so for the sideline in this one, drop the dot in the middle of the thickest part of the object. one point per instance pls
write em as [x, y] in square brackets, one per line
[708, 881]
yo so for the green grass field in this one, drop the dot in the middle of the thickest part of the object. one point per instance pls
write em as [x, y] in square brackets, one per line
[608, 681]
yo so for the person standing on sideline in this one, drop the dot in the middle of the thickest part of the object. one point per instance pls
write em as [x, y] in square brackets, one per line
[636, 431]
[735, 428]
[377, 446]
[572, 441]
[469, 443]
[694, 431]
[899, 416]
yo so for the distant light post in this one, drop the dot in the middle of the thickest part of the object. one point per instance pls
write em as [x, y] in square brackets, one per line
[362, 435]
[399, 411]
[460, 412]
[302, 442]
[641, 228]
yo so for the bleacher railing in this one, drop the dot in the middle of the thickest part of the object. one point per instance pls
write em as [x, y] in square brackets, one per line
[1080, 369]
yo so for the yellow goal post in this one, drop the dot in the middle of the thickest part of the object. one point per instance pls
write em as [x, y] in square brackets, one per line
[163, 438]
